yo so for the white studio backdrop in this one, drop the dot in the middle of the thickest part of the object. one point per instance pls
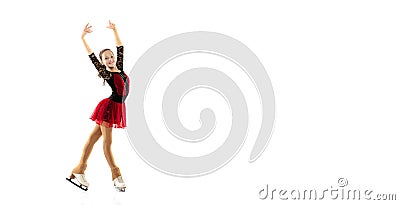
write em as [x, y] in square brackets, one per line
[334, 67]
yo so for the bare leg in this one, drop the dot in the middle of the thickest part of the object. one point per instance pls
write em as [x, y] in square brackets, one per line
[93, 137]
[107, 140]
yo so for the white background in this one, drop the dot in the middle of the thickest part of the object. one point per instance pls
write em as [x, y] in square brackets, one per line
[334, 66]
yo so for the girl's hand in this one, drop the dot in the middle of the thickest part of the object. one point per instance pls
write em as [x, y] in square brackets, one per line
[87, 30]
[111, 25]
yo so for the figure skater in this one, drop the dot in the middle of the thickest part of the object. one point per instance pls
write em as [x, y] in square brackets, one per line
[109, 113]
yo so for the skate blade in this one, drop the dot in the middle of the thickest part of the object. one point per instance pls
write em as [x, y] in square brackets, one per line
[122, 189]
[84, 188]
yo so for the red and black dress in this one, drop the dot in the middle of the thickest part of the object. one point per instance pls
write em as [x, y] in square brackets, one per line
[112, 110]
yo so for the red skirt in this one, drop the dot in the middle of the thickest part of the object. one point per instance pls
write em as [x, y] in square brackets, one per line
[112, 113]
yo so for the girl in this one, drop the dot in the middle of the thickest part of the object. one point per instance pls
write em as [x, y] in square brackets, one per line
[109, 113]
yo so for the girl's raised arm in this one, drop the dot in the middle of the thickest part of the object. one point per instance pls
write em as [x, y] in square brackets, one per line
[85, 31]
[117, 39]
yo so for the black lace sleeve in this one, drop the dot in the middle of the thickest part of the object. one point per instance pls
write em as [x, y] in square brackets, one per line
[103, 72]
[120, 57]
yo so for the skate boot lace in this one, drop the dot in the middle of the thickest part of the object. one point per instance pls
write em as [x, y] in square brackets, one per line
[83, 178]
[120, 180]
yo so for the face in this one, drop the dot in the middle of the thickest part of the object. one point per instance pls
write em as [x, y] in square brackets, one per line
[107, 58]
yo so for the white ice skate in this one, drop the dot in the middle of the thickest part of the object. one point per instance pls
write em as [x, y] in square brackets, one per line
[119, 184]
[79, 180]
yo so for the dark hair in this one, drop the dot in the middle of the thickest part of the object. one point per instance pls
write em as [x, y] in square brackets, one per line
[102, 51]
[101, 58]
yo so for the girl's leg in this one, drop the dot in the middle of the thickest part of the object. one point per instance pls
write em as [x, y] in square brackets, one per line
[93, 137]
[107, 140]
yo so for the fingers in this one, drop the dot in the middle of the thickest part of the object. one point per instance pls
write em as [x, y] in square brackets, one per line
[87, 28]
[111, 25]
